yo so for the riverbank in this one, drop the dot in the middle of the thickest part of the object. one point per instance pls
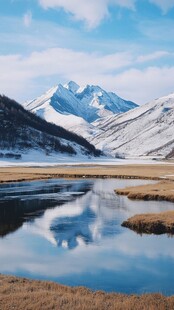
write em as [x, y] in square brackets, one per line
[18, 294]
[160, 191]
[151, 172]
[156, 223]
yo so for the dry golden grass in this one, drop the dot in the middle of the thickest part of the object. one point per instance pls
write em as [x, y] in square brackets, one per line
[154, 172]
[157, 223]
[160, 191]
[23, 294]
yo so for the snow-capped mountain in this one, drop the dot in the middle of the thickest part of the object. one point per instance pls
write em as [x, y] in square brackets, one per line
[117, 127]
[98, 103]
[146, 130]
[75, 107]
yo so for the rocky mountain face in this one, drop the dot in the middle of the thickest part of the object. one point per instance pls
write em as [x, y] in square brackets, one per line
[75, 107]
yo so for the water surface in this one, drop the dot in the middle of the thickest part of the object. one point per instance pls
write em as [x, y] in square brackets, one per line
[70, 231]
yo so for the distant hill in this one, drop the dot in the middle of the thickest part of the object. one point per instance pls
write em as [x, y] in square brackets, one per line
[21, 130]
[145, 131]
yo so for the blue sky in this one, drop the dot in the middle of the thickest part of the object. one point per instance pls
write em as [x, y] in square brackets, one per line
[125, 46]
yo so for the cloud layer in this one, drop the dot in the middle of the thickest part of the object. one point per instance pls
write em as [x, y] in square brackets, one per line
[165, 5]
[113, 72]
[94, 11]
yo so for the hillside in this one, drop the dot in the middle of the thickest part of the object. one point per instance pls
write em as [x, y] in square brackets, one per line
[21, 130]
[146, 130]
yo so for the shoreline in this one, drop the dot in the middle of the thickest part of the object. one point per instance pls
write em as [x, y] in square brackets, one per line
[152, 223]
[21, 293]
[144, 172]
[163, 190]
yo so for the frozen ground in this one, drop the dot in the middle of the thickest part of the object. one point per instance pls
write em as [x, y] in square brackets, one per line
[38, 159]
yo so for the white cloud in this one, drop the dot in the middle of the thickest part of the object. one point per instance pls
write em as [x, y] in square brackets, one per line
[143, 85]
[94, 11]
[59, 62]
[152, 56]
[65, 62]
[90, 11]
[114, 72]
[165, 5]
[27, 19]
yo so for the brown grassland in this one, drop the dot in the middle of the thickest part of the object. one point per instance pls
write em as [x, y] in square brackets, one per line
[156, 223]
[19, 294]
[154, 172]
[160, 191]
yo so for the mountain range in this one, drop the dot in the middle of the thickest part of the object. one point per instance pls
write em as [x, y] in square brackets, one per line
[75, 108]
[118, 127]
[145, 131]
[97, 121]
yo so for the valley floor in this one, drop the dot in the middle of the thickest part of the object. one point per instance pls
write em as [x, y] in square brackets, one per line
[133, 171]
[19, 293]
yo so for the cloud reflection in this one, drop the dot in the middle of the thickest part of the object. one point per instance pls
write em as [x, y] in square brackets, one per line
[82, 242]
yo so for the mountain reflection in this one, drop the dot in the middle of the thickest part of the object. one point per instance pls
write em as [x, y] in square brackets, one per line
[80, 222]
[21, 202]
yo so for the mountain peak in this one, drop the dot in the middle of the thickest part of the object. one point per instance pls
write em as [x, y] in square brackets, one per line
[72, 86]
[87, 103]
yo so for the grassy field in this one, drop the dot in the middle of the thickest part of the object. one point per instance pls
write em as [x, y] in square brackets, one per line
[160, 191]
[157, 223]
[154, 172]
[20, 294]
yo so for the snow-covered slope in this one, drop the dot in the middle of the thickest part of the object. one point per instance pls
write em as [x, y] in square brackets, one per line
[21, 131]
[75, 107]
[98, 103]
[146, 130]
[110, 123]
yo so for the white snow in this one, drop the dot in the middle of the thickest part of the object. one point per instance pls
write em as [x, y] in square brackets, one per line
[146, 130]
[74, 107]
[35, 158]
[93, 113]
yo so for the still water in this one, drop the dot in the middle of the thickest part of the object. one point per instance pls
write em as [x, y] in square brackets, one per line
[70, 231]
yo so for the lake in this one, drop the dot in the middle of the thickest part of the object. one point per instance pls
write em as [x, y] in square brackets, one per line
[69, 231]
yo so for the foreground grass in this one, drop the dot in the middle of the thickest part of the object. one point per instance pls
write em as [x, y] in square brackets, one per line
[20, 294]
[157, 223]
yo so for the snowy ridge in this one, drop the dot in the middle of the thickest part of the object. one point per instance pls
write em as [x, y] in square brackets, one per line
[75, 108]
[146, 130]
[118, 127]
